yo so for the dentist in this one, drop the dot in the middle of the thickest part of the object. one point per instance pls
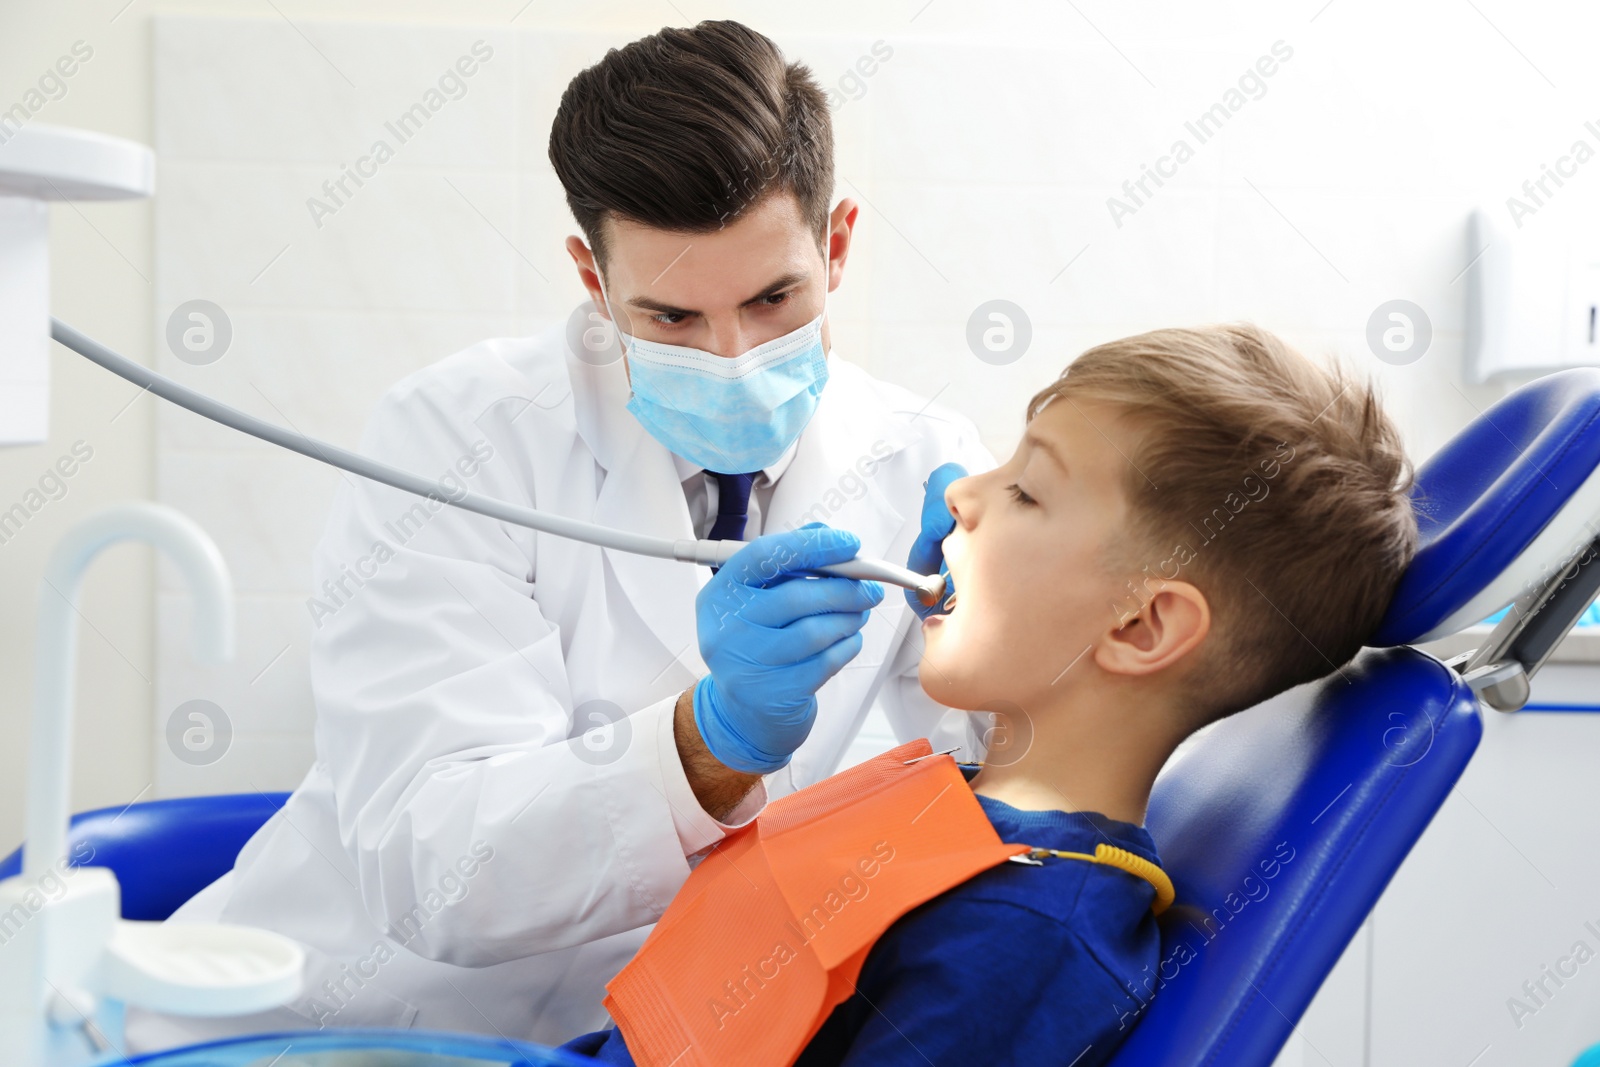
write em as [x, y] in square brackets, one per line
[523, 744]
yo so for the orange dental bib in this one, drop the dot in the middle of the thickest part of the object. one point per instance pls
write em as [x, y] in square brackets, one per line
[770, 931]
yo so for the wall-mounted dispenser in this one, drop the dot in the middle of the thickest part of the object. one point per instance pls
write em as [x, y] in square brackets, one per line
[1533, 296]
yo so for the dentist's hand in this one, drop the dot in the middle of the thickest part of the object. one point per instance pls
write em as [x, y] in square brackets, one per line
[927, 552]
[771, 639]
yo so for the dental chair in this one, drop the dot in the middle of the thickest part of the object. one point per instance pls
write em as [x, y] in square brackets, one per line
[1280, 826]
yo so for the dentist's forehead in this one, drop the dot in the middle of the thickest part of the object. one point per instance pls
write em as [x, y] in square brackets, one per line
[722, 268]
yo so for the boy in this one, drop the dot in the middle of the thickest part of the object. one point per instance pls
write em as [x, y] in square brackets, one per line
[1194, 521]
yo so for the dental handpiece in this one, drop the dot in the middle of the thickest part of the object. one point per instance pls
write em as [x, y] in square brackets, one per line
[930, 588]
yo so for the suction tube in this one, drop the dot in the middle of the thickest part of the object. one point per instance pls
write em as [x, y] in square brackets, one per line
[928, 587]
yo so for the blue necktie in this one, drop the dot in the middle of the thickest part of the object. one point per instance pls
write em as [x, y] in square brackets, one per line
[733, 506]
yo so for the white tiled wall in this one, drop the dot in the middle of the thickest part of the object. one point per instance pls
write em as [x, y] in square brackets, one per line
[983, 152]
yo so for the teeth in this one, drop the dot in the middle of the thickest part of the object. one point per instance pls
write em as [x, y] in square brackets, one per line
[950, 602]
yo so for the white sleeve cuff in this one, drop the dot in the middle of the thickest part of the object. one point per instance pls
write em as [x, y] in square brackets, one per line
[697, 830]
[747, 809]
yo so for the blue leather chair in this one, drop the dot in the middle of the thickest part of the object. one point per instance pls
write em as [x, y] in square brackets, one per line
[164, 851]
[1281, 825]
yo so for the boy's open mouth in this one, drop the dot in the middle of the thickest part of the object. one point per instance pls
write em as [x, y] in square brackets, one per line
[949, 604]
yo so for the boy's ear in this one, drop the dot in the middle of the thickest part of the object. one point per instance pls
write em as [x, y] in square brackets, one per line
[1168, 627]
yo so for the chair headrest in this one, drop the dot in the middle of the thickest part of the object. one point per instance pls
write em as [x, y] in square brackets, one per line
[1504, 504]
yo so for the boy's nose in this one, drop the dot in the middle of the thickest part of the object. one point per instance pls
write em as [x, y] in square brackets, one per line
[963, 500]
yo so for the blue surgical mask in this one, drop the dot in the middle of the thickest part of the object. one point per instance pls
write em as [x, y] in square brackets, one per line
[733, 415]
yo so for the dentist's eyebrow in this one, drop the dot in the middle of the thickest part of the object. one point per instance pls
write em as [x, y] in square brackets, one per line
[792, 278]
[645, 303]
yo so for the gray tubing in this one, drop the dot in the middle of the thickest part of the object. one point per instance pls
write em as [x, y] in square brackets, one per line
[707, 553]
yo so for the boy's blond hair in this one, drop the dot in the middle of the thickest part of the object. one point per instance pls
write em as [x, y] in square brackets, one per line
[1278, 488]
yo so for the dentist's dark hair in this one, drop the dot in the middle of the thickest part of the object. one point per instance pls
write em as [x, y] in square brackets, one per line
[686, 129]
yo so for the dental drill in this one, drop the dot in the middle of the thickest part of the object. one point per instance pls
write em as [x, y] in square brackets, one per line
[930, 588]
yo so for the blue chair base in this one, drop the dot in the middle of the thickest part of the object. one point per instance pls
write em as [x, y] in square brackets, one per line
[361, 1048]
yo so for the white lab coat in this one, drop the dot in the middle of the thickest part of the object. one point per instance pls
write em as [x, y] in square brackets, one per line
[449, 801]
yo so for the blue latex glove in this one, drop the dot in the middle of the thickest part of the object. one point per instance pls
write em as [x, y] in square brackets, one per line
[927, 551]
[771, 639]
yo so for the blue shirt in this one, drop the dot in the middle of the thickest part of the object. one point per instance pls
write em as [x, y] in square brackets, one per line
[1017, 965]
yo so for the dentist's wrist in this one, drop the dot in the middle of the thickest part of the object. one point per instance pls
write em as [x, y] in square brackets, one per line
[722, 737]
[718, 787]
